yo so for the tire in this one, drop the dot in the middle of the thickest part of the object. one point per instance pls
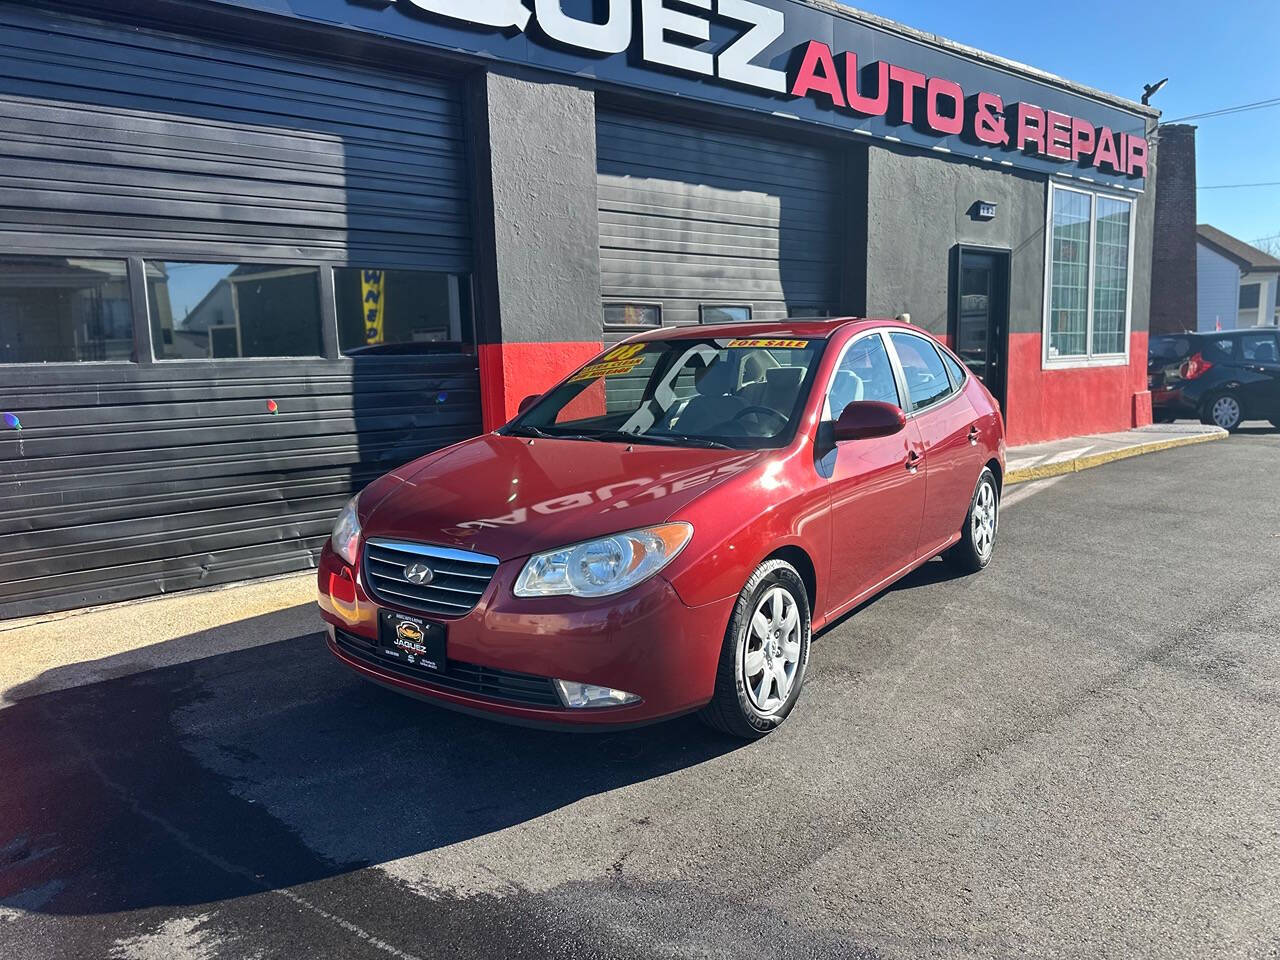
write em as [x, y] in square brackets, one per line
[1276, 423]
[750, 705]
[1163, 418]
[1223, 410]
[981, 524]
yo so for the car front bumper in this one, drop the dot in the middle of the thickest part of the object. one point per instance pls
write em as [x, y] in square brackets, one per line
[503, 655]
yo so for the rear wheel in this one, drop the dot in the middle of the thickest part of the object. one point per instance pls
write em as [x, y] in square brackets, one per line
[1223, 410]
[765, 654]
[978, 538]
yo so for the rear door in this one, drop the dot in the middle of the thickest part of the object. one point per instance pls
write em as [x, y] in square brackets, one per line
[948, 426]
[1259, 355]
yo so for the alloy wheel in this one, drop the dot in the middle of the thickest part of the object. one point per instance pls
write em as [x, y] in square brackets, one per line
[984, 519]
[771, 655]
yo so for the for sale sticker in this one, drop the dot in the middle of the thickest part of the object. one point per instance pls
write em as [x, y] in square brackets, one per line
[614, 363]
[771, 344]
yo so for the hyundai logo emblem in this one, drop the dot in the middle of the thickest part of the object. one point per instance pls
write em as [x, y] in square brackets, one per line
[419, 573]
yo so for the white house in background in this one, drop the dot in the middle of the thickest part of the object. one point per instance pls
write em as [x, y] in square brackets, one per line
[1236, 284]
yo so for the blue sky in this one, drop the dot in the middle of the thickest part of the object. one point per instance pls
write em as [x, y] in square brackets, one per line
[1216, 54]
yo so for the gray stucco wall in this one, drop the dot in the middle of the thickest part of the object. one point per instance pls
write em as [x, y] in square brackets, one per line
[538, 262]
[918, 210]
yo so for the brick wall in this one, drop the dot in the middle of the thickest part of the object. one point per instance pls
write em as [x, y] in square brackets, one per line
[1173, 267]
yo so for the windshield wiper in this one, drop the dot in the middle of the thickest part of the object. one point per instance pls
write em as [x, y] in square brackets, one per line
[677, 440]
[529, 430]
[620, 436]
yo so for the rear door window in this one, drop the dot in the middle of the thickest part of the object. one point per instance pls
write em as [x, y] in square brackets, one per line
[927, 380]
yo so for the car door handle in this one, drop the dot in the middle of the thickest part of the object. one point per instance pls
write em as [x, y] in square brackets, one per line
[973, 435]
[913, 461]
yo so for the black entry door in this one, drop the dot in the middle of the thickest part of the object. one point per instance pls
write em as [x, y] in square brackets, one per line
[980, 326]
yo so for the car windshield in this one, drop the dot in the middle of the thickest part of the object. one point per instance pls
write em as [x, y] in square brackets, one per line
[743, 393]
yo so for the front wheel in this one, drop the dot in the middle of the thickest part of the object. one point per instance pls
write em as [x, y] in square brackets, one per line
[981, 523]
[1223, 411]
[764, 656]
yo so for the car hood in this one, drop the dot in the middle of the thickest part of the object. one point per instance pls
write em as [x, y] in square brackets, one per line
[510, 496]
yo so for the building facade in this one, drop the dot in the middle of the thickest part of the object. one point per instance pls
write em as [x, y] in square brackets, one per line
[259, 253]
[1236, 283]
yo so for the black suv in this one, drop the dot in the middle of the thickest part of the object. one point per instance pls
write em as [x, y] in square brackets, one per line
[1223, 378]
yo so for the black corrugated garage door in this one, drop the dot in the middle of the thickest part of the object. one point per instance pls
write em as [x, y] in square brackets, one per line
[130, 476]
[696, 220]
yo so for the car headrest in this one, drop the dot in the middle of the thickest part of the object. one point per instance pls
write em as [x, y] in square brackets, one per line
[1266, 353]
[716, 380]
[784, 378]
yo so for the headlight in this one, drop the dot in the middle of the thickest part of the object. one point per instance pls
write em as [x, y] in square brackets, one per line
[345, 538]
[599, 568]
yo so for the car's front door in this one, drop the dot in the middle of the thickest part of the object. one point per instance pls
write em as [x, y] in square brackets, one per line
[1260, 378]
[877, 486]
[948, 431]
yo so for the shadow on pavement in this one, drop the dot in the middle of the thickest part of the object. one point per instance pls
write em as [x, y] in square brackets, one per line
[224, 776]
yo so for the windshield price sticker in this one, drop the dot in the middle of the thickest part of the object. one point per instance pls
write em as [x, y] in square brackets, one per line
[772, 344]
[614, 363]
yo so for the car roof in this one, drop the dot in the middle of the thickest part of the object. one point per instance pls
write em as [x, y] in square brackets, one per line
[1215, 334]
[790, 327]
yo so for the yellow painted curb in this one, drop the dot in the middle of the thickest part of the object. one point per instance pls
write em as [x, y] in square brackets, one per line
[1088, 461]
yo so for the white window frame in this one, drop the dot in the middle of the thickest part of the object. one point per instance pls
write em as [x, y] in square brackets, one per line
[1088, 359]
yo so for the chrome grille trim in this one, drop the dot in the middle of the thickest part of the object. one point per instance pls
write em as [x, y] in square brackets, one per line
[461, 577]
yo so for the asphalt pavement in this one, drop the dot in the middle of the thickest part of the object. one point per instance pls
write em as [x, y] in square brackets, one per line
[1072, 754]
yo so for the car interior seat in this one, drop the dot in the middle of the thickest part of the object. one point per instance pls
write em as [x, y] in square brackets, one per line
[713, 407]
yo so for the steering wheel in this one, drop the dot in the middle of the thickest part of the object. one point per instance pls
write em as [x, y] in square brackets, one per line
[782, 419]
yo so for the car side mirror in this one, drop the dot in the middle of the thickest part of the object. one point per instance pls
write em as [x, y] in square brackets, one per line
[526, 403]
[864, 419]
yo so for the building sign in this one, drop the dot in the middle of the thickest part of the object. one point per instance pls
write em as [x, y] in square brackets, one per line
[784, 58]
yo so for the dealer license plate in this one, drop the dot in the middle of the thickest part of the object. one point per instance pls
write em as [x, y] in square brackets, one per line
[412, 640]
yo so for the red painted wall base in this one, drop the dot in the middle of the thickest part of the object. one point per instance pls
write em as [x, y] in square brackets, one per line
[1051, 404]
[509, 372]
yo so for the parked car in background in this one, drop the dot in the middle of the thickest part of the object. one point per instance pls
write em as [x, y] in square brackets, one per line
[662, 531]
[1222, 378]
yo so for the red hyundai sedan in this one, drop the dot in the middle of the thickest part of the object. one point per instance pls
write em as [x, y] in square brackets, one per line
[663, 531]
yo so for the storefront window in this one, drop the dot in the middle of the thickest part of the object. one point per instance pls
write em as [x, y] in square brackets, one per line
[399, 311]
[1088, 296]
[206, 311]
[632, 315]
[1111, 276]
[1069, 285]
[64, 309]
[724, 313]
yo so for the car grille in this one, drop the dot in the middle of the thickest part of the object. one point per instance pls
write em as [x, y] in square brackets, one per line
[489, 683]
[459, 577]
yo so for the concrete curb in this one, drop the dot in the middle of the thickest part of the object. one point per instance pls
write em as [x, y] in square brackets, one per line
[1089, 460]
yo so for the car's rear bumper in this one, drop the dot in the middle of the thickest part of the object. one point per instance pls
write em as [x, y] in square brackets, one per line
[1175, 400]
[503, 655]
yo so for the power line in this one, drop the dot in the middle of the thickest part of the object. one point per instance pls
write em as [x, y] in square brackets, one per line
[1237, 186]
[1241, 108]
